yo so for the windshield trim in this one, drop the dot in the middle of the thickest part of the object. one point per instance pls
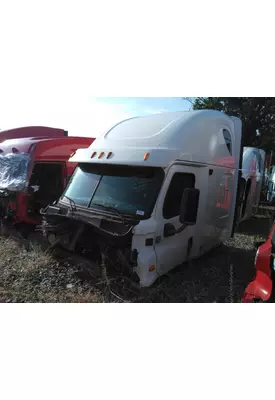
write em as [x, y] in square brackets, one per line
[101, 212]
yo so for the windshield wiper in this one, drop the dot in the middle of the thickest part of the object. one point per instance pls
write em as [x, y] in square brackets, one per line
[72, 203]
[110, 208]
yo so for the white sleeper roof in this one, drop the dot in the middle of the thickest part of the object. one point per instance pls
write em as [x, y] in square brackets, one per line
[192, 135]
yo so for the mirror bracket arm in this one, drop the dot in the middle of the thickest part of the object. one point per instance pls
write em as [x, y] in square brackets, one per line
[181, 228]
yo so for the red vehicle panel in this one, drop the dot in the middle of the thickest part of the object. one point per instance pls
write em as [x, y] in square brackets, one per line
[261, 287]
[31, 131]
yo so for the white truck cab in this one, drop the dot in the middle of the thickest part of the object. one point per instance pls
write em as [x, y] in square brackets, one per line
[161, 189]
[253, 173]
[271, 186]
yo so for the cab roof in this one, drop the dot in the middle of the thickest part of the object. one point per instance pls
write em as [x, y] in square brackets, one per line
[186, 135]
[45, 147]
[31, 131]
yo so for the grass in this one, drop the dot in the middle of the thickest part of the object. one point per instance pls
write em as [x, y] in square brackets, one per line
[34, 276]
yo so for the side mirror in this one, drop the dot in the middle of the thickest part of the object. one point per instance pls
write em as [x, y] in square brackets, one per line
[189, 206]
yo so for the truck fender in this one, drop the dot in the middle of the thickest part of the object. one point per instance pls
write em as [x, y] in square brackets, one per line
[260, 288]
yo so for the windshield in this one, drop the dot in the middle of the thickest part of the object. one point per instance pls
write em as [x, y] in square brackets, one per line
[130, 190]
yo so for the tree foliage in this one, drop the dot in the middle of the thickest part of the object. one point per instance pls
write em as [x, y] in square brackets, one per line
[256, 113]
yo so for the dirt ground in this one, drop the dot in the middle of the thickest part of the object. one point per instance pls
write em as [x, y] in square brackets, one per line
[220, 276]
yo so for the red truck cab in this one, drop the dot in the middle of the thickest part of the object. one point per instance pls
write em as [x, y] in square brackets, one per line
[36, 160]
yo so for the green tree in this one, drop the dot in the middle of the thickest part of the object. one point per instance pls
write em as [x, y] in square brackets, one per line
[211, 103]
[257, 115]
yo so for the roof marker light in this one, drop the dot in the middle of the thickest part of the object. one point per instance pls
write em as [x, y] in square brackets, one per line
[101, 154]
[109, 154]
[146, 156]
[94, 153]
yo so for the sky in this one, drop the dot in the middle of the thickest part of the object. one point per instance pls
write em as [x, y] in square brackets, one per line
[54, 67]
[84, 115]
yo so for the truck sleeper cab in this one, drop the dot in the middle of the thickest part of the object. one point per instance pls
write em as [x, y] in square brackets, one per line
[34, 172]
[147, 194]
[253, 175]
[271, 186]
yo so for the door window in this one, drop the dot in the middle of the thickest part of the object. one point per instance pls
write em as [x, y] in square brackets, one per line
[172, 202]
[228, 140]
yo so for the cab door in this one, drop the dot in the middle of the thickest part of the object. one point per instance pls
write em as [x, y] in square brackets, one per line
[174, 249]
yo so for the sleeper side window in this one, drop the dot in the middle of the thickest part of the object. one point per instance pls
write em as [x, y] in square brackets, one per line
[228, 140]
[172, 202]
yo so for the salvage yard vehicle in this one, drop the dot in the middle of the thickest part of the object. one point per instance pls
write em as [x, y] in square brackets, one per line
[271, 186]
[148, 195]
[34, 171]
[252, 181]
[261, 288]
[264, 192]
